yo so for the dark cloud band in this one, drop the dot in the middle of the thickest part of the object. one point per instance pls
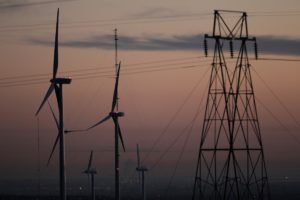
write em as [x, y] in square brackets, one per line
[14, 4]
[266, 44]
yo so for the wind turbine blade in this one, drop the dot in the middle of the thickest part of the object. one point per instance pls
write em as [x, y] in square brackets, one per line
[91, 160]
[74, 131]
[55, 61]
[120, 134]
[100, 122]
[115, 97]
[53, 149]
[55, 119]
[138, 155]
[50, 90]
[121, 138]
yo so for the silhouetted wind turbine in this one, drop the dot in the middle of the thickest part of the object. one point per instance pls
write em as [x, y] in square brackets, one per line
[114, 115]
[141, 170]
[57, 86]
[91, 172]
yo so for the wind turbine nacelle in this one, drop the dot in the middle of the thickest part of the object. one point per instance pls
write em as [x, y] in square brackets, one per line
[90, 171]
[142, 168]
[61, 80]
[121, 114]
[117, 114]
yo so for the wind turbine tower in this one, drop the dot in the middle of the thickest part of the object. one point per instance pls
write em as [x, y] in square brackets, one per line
[141, 169]
[91, 172]
[57, 86]
[231, 159]
[115, 115]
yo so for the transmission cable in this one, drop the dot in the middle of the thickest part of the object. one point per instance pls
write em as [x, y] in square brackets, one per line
[104, 72]
[277, 98]
[277, 59]
[100, 68]
[98, 24]
[32, 82]
[279, 122]
[84, 75]
[175, 116]
[184, 145]
[131, 20]
[170, 122]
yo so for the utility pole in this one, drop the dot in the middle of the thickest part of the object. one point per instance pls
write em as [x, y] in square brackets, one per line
[231, 162]
[115, 116]
[38, 159]
[116, 49]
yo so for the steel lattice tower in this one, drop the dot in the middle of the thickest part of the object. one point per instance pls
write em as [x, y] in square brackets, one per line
[231, 162]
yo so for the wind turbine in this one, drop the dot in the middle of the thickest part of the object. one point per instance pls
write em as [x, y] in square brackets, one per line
[141, 170]
[91, 172]
[57, 86]
[114, 115]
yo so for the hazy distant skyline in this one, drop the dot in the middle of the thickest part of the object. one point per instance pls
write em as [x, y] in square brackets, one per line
[149, 31]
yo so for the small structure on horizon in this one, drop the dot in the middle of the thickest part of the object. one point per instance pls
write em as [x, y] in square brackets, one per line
[141, 169]
[91, 172]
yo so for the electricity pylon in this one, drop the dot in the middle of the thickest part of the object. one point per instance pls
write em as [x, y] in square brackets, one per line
[231, 162]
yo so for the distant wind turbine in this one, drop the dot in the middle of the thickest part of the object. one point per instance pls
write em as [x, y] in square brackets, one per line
[114, 115]
[91, 172]
[57, 86]
[141, 170]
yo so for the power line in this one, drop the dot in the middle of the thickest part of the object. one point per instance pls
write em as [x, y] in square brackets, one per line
[174, 117]
[106, 20]
[277, 98]
[184, 144]
[277, 59]
[98, 23]
[104, 72]
[98, 75]
[274, 11]
[104, 76]
[169, 123]
[102, 68]
[279, 122]
[39, 78]
[135, 20]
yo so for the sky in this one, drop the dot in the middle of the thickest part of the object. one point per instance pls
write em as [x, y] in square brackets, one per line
[163, 79]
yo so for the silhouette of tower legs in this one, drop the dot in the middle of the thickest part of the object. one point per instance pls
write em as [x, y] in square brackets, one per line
[231, 161]
[93, 186]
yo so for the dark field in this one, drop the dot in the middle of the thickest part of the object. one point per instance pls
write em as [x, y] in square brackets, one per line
[279, 191]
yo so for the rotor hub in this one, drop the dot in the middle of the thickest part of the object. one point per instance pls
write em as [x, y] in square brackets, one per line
[61, 80]
[142, 168]
[117, 114]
